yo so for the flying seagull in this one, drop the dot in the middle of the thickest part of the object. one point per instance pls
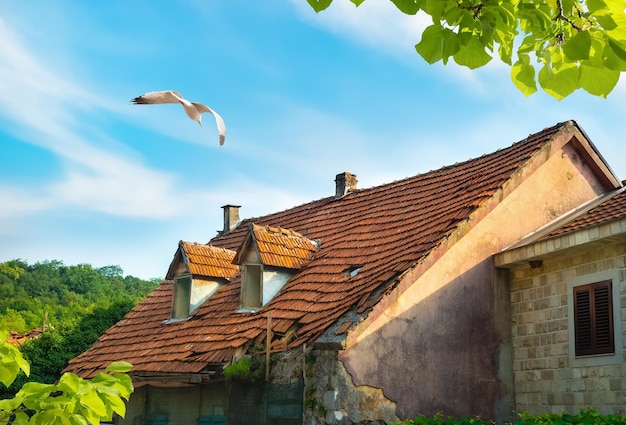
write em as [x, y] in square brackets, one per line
[194, 110]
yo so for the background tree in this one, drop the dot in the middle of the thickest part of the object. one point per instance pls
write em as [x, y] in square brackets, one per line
[78, 303]
[563, 45]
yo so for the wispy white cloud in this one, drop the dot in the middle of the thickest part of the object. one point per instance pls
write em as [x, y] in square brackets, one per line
[375, 23]
[55, 113]
[383, 27]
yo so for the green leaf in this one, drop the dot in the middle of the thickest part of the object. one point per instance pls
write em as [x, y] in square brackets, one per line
[472, 54]
[34, 393]
[11, 361]
[8, 372]
[50, 417]
[605, 19]
[577, 48]
[450, 44]
[595, 5]
[611, 58]
[430, 46]
[93, 402]
[523, 76]
[21, 418]
[120, 367]
[116, 403]
[436, 9]
[567, 5]
[319, 5]
[598, 81]
[617, 48]
[70, 381]
[410, 7]
[9, 405]
[560, 82]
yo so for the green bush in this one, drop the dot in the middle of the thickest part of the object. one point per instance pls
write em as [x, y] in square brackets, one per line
[246, 369]
[584, 417]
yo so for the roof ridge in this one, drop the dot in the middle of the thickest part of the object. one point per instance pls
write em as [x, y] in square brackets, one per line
[531, 137]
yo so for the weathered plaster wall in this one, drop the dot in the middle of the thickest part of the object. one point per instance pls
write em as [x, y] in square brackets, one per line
[442, 342]
[548, 377]
[332, 398]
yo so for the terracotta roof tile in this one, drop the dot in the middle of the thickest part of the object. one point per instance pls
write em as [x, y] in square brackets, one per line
[385, 230]
[209, 260]
[279, 247]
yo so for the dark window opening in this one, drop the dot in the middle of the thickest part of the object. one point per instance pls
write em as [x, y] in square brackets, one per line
[593, 319]
[251, 294]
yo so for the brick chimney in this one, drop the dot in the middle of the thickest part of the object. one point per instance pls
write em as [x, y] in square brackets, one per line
[231, 217]
[344, 182]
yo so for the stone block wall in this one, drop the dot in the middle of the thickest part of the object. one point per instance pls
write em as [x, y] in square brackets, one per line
[547, 376]
[331, 398]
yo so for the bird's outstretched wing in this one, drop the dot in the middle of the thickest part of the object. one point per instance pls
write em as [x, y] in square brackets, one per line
[221, 127]
[194, 110]
[166, 96]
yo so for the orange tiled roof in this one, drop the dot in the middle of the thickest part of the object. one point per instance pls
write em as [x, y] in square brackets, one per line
[209, 260]
[18, 339]
[279, 247]
[385, 230]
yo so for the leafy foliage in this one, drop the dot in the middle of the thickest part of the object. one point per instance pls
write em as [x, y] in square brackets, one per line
[71, 401]
[248, 368]
[585, 417]
[563, 45]
[78, 304]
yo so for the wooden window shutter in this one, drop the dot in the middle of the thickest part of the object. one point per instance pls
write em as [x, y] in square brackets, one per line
[593, 319]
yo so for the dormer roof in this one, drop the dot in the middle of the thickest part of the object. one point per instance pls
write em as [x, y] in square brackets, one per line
[277, 247]
[202, 260]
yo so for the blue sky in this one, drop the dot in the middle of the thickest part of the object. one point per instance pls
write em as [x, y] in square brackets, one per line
[86, 177]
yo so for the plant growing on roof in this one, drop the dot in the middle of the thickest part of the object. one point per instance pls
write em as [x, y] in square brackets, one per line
[72, 401]
[248, 368]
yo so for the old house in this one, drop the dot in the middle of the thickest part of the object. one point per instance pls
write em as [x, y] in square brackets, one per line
[446, 291]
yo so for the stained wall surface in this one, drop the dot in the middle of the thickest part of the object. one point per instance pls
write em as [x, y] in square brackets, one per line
[442, 341]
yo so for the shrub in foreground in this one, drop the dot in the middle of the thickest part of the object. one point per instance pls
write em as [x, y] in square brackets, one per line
[584, 417]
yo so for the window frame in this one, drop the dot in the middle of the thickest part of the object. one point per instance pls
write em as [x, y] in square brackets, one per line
[247, 281]
[596, 359]
[181, 298]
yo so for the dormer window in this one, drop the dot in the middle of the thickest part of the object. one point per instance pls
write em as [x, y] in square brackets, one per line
[198, 271]
[251, 287]
[182, 294]
[269, 257]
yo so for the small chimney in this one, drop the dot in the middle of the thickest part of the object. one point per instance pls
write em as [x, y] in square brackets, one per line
[344, 182]
[231, 217]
